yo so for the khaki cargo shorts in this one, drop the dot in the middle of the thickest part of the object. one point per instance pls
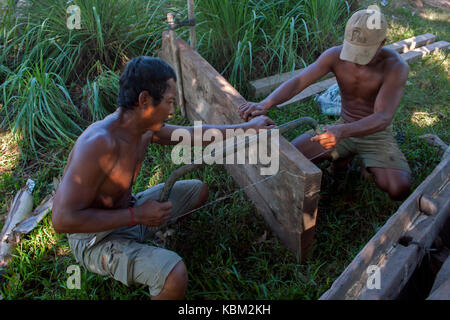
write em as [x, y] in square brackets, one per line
[122, 254]
[378, 150]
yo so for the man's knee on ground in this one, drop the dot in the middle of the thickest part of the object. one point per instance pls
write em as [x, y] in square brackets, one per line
[400, 189]
[395, 182]
[176, 283]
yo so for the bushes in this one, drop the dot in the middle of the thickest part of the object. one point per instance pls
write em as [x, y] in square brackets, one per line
[250, 39]
[40, 107]
[56, 80]
[43, 64]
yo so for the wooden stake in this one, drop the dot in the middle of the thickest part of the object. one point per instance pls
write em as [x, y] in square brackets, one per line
[191, 16]
[176, 62]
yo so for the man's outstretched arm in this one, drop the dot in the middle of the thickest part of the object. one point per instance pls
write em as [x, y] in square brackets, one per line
[292, 87]
[165, 135]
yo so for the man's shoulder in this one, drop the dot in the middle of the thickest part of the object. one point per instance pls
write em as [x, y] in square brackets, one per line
[393, 59]
[96, 140]
[333, 52]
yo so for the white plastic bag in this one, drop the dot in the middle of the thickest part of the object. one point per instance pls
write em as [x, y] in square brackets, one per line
[330, 101]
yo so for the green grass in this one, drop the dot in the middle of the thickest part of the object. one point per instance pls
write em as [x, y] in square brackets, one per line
[219, 244]
[250, 39]
[45, 66]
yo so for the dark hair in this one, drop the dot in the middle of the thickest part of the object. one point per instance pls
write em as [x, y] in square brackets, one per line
[144, 74]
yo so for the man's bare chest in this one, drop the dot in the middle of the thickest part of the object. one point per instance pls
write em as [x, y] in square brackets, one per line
[115, 190]
[359, 82]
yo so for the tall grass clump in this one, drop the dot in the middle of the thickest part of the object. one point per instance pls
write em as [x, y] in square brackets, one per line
[100, 96]
[249, 39]
[40, 107]
[55, 80]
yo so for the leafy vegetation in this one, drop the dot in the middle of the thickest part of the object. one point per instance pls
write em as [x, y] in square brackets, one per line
[55, 82]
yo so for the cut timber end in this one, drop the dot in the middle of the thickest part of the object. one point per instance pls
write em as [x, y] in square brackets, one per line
[265, 86]
[316, 88]
[412, 43]
[288, 201]
[419, 53]
[395, 248]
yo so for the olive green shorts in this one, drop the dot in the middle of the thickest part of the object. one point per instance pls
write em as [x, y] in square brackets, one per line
[122, 254]
[378, 150]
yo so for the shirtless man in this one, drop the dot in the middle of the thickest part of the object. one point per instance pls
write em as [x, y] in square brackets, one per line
[371, 81]
[106, 224]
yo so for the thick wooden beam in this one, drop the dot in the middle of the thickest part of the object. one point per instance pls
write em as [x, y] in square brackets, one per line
[312, 90]
[412, 43]
[441, 285]
[409, 57]
[397, 248]
[419, 53]
[288, 200]
[265, 86]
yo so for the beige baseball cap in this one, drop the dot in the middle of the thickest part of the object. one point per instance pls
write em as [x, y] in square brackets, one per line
[364, 33]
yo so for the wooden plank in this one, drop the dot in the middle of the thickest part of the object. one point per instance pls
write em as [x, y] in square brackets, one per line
[407, 221]
[265, 86]
[288, 201]
[409, 57]
[419, 53]
[262, 87]
[313, 89]
[412, 43]
[441, 293]
[442, 276]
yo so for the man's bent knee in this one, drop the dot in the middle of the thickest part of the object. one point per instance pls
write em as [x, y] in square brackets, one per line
[396, 183]
[400, 190]
[176, 284]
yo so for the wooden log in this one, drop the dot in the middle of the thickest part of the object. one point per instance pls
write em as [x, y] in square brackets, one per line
[398, 243]
[176, 62]
[409, 57]
[265, 86]
[441, 285]
[419, 53]
[442, 292]
[313, 89]
[191, 16]
[412, 43]
[287, 201]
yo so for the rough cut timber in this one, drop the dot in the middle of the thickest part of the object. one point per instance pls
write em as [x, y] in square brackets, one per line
[409, 56]
[288, 201]
[419, 53]
[265, 86]
[399, 246]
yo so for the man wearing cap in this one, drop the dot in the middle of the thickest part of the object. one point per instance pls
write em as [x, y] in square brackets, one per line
[371, 81]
